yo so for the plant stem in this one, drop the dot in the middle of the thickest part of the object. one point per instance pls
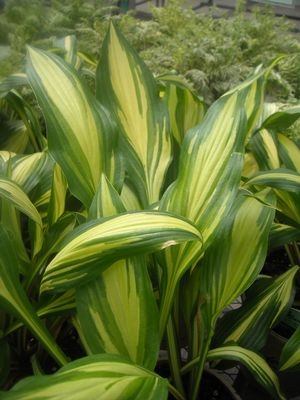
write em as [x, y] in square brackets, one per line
[174, 356]
[176, 393]
[197, 376]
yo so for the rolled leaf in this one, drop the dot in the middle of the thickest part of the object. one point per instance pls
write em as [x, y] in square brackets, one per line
[104, 377]
[264, 147]
[93, 247]
[58, 195]
[186, 110]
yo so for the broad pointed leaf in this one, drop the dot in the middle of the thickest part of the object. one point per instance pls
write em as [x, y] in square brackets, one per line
[259, 368]
[93, 247]
[12, 192]
[104, 377]
[80, 133]
[127, 87]
[265, 304]
[117, 311]
[209, 174]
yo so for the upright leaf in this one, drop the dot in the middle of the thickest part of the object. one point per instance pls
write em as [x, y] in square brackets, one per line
[209, 174]
[80, 133]
[14, 300]
[236, 257]
[127, 87]
[290, 355]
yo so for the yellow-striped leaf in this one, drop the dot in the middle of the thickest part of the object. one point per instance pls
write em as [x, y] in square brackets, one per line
[209, 173]
[290, 355]
[279, 178]
[13, 193]
[104, 377]
[236, 257]
[95, 246]
[289, 153]
[281, 234]
[80, 133]
[186, 110]
[282, 119]
[259, 368]
[58, 195]
[14, 300]
[127, 87]
[266, 302]
[264, 147]
[117, 311]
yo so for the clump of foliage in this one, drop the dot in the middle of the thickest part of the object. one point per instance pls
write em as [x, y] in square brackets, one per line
[131, 217]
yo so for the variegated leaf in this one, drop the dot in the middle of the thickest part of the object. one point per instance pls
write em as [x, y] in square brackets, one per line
[282, 119]
[259, 368]
[104, 377]
[186, 110]
[58, 195]
[80, 133]
[265, 149]
[14, 194]
[209, 174]
[289, 153]
[282, 234]
[236, 257]
[95, 246]
[127, 87]
[14, 300]
[117, 311]
[278, 178]
[290, 355]
[265, 304]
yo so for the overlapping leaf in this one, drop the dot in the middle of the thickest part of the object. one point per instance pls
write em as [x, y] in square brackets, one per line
[117, 311]
[14, 300]
[210, 171]
[236, 257]
[80, 133]
[259, 368]
[104, 377]
[95, 246]
[290, 355]
[127, 87]
[266, 304]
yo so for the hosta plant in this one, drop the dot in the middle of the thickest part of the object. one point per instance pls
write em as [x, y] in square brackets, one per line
[126, 224]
